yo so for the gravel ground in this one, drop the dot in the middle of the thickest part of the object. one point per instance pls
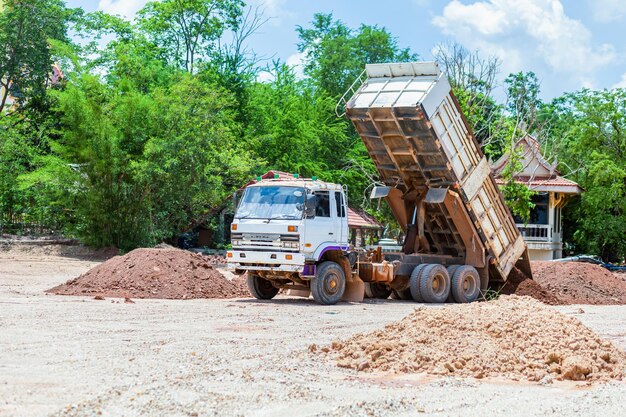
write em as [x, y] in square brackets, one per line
[77, 356]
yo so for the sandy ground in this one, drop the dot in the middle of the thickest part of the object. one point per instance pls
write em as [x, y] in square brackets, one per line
[78, 356]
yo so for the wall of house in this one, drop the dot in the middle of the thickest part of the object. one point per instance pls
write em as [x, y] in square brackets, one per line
[540, 254]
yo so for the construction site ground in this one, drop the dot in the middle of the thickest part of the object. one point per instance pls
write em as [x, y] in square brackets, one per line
[78, 356]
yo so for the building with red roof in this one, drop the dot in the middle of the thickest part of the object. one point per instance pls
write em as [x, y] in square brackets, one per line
[543, 233]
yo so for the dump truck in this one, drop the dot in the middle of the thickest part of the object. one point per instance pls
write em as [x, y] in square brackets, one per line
[459, 236]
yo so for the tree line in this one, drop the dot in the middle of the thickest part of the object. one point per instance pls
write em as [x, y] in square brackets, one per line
[157, 121]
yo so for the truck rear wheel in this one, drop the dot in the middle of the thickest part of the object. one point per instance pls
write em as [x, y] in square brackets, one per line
[261, 288]
[434, 284]
[414, 282]
[465, 284]
[329, 283]
[451, 270]
[377, 290]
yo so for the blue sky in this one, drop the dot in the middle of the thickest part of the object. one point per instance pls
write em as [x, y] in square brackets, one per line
[569, 44]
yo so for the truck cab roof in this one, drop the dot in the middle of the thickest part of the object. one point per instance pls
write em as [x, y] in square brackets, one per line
[308, 183]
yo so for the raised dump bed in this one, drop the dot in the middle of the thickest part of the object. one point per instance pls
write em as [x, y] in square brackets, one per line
[441, 187]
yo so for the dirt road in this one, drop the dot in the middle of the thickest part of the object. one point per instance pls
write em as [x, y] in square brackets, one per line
[78, 356]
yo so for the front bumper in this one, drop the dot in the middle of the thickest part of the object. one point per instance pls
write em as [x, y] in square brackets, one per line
[265, 261]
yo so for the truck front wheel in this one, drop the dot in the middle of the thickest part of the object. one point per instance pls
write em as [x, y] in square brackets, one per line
[329, 283]
[261, 288]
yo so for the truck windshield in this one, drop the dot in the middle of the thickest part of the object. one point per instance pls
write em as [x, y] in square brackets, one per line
[272, 202]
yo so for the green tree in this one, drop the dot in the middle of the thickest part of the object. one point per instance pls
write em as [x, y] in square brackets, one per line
[139, 167]
[293, 129]
[591, 126]
[187, 30]
[523, 99]
[335, 54]
[26, 29]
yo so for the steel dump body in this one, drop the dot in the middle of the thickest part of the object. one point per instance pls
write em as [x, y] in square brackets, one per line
[414, 131]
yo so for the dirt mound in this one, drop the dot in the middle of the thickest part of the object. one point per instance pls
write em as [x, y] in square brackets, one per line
[580, 282]
[153, 273]
[519, 284]
[216, 260]
[512, 337]
[241, 283]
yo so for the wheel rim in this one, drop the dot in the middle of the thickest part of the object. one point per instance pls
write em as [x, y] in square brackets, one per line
[331, 284]
[438, 284]
[469, 285]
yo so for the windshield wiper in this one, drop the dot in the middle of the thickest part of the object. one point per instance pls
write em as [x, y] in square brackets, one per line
[284, 216]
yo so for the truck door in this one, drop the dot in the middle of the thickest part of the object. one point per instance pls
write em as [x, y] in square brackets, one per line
[340, 218]
[321, 228]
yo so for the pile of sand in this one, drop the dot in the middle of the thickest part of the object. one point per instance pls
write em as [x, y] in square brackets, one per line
[512, 337]
[580, 282]
[154, 273]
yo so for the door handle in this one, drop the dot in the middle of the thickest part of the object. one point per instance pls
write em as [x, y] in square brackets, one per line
[330, 233]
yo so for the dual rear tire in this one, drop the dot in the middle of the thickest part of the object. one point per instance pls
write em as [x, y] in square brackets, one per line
[433, 283]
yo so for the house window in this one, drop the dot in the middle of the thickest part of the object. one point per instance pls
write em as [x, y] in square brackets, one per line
[539, 213]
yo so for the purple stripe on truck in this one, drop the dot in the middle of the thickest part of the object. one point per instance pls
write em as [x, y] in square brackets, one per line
[309, 270]
[326, 249]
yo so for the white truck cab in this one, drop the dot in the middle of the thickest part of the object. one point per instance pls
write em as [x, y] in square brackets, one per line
[284, 231]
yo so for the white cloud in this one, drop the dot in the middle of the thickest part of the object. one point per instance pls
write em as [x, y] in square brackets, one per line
[621, 83]
[526, 35]
[296, 62]
[607, 10]
[265, 76]
[126, 8]
[273, 9]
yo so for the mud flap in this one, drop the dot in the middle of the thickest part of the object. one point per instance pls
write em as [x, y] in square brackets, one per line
[299, 293]
[355, 290]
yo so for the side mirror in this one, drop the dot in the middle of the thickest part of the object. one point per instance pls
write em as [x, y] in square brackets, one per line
[380, 192]
[309, 206]
[235, 200]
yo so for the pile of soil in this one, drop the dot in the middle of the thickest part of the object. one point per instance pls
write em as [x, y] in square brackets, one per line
[512, 337]
[216, 260]
[519, 284]
[241, 283]
[580, 282]
[153, 273]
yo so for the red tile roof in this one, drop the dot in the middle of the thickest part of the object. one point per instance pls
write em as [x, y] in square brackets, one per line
[555, 183]
[361, 220]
